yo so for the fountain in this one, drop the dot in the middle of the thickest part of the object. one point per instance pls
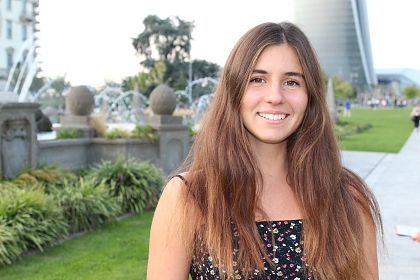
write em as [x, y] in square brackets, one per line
[44, 88]
[188, 92]
[118, 106]
[27, 60]
[197, 105]
[129, 107]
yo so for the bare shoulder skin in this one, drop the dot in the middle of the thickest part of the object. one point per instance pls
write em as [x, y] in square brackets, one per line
[168, 256]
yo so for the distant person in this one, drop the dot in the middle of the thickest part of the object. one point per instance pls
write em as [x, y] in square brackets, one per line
[263, 193]
[347, 112]
[377, 103]
[415, 116]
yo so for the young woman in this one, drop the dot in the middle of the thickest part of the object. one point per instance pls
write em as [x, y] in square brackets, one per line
[264, 194]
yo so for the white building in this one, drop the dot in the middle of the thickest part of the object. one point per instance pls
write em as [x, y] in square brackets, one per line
[339, 32]
[17, 23]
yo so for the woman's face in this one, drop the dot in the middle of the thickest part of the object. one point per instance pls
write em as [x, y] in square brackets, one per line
[275, 100]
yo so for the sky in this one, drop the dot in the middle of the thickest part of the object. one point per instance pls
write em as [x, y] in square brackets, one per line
[90, 42]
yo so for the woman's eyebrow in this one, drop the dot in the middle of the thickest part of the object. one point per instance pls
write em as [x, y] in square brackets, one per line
[259, 71]
[295, 74]
[290, 73]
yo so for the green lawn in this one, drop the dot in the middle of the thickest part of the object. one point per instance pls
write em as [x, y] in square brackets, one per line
[390, 129]
[116, 251]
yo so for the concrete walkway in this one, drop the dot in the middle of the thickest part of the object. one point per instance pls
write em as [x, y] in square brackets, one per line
[395, 180]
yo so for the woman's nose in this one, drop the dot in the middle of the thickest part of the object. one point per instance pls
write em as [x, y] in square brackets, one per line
[275, 94]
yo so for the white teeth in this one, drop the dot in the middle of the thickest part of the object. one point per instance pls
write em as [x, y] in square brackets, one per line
[273, 116]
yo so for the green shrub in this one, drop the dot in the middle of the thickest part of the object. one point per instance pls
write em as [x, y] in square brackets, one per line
[136, 184]
[32, 217]
[9, 248]
[117, 133]
[139, 131]
[345, 129]
[191, 129]
[43, 176]
[67, 133]
[5, 184]
[144, 132]
[86, 204]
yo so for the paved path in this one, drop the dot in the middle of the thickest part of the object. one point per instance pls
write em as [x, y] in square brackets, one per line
[395, 180]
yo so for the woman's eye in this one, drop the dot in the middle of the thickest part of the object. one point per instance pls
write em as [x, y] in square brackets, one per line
[291, 83]
[257, 80]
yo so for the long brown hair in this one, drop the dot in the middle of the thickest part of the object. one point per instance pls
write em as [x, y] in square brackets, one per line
[223, 176]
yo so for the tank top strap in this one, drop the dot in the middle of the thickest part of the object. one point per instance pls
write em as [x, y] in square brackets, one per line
[181, 177]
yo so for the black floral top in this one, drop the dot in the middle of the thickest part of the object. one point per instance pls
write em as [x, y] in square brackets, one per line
[285, 253]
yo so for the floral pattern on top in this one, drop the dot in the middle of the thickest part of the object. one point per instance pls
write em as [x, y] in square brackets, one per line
[284, 245]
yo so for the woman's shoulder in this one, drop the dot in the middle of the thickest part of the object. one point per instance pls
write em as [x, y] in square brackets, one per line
[171, 208]
[175, 189]
[169, 235]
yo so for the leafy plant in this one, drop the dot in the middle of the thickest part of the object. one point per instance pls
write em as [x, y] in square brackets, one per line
[5, 184]
[345, 129]
[86, 205]
[144, 132]
[191, 130]
[136, 184]
[9, 247]
[141, 132]
[67, 133]
[116, 133]
[43, 175]
[32, 217]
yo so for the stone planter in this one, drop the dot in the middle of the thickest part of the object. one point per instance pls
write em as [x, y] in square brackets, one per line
[67, 153]
[110, 149]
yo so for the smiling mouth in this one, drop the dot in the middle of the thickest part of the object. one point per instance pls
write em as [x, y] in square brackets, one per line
[273, 117]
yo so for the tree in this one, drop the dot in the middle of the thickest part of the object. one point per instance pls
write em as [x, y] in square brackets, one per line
[167, 41]
[411, 92]
[146, 82]
[157, 75]
[171, 37]
[181, 83]
[37, 83]
[143, 82]
[60, 84]
[342, 89]
[203, 68]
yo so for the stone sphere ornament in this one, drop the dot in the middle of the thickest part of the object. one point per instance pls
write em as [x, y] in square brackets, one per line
[162, 100]
[80, 101]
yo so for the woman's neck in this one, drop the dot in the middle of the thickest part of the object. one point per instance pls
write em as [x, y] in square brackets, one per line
[276, 198]
[272, 159]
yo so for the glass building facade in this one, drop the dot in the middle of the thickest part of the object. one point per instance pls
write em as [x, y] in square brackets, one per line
[339, 32]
